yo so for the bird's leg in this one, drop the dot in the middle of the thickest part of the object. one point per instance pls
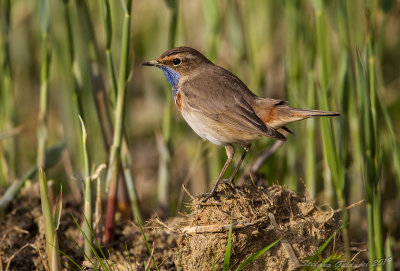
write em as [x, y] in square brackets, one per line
[230, 152]
[245, 151]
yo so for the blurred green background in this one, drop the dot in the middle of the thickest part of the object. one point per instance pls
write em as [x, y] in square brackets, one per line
[338, 55]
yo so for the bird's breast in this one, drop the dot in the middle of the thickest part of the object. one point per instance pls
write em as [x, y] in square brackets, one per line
[178, 101]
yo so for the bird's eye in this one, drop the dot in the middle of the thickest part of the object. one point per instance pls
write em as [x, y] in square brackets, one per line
[176, 61]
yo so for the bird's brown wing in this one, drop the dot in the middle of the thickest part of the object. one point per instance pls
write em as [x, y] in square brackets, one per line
[221, 96]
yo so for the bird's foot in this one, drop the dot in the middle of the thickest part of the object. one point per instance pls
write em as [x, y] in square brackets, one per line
[206, 196]
[228, 181]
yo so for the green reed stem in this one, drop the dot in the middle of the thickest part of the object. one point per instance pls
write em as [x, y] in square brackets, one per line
[8, 161]
[331, 152]
[369, 164]
[344, 95]
[361, 89]
[44, 76]
[371, 241]
[310, 141]
[51, 234]
[293, 85]
[389, 254]
[377, 203]
[126, 159]
[347, 88]
[394, 146]
[5, 57]
[42, 125]
[329, 144]
[110, 65]
[87, 27]
[215, 20]
[90, 72]
[115, 152]
[78, 88]
[88, 214]
[165, 146]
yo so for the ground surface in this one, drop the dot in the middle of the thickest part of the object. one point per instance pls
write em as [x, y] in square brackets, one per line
[259, 215]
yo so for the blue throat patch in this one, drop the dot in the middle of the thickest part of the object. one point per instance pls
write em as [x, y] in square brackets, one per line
[172, 77]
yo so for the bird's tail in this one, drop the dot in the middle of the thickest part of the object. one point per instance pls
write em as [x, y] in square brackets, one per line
[280, 116]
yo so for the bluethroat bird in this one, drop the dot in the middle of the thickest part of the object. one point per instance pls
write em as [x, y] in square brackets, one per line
[219, 107]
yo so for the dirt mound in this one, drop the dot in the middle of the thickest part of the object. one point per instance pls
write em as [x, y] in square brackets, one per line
[260, 216]
[23, 245]
[22, 233]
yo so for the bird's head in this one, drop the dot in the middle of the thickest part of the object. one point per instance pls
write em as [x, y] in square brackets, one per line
[178, 62]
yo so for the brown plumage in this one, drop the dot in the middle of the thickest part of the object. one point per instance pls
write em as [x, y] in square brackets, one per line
[220, 108]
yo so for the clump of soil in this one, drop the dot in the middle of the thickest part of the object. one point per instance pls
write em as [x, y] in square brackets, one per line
[23, 245]
[260, 216]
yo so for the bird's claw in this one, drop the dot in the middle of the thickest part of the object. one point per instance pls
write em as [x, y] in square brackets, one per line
[206, 196]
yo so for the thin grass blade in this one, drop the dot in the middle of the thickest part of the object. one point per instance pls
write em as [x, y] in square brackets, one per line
[256, 255]
[228, 249]
[148, 247]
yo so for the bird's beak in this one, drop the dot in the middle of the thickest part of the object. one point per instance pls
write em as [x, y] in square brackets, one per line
[151, 63]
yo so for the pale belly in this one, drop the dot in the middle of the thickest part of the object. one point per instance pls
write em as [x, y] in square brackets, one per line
[216, 132]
